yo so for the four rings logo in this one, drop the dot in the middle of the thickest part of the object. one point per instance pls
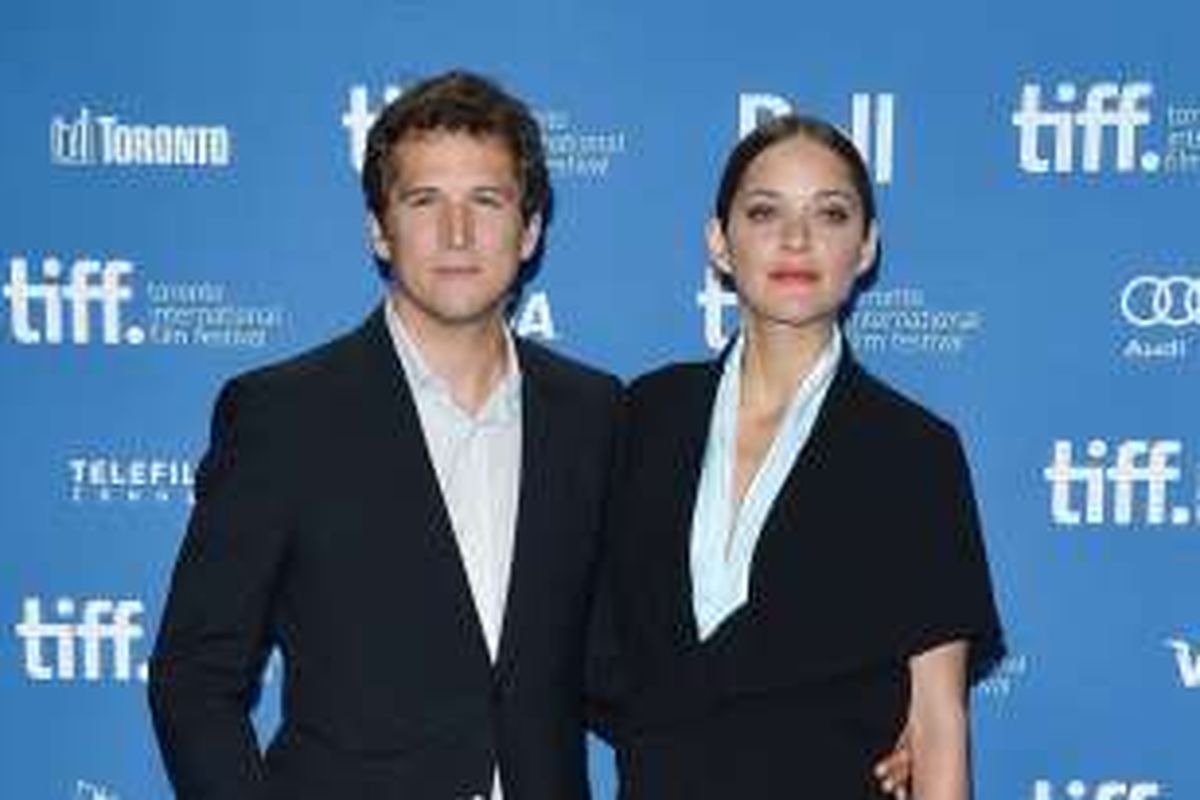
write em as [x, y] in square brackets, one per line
[1173, 301]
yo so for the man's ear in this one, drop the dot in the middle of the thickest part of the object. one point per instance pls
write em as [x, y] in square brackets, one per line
[718, 248]
[868, 251]
[379, 242]
[531, 235]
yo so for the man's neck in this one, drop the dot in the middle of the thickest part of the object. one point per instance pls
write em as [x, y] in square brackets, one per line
[471, 357]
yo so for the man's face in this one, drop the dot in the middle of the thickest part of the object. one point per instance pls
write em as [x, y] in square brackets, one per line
[452, 229]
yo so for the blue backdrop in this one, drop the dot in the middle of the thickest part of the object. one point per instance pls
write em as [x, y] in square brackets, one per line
[180, 202]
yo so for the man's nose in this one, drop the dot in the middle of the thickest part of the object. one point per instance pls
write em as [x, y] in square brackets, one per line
[458, 226]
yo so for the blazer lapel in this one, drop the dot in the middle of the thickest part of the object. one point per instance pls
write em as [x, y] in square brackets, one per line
[541, 453]
[425, 510]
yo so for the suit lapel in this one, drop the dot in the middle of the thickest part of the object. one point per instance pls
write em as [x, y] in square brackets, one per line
[540, 457]
[422, 511]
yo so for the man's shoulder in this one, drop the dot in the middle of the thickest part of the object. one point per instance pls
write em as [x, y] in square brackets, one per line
[316, 380]
[669, 381]
[563, 374]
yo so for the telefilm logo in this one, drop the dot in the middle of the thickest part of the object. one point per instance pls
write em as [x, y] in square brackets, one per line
[1127, 483]
[1103, 790]
[91, 139]
[572, 150]
[1103, 126]
[92, 300]
[81, 640]
[1187, 661]
[1162, 310]
[108, 480]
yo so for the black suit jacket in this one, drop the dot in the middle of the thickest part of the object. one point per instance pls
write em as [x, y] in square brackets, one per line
[319, 527]
[871, 553]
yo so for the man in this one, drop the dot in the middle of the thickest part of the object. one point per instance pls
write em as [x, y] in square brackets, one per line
[411, 512]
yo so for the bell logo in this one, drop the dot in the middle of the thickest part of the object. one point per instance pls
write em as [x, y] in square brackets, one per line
[755, 109]
[38, 310]
[1121, 108]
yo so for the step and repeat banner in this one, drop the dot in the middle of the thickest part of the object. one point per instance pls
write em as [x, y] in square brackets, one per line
[180, 203]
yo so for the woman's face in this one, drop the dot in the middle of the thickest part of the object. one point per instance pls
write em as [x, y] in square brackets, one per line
[796, 238]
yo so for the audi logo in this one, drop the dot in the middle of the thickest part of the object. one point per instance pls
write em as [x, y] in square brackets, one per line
[1150, 300]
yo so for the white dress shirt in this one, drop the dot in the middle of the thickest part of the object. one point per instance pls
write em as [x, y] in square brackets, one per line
[477, 458]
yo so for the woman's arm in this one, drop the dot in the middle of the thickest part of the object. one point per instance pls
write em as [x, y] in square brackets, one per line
[938, 723]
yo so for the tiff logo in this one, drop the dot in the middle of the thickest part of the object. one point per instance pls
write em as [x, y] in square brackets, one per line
[1121, 108]
[1187, 659]
[91, 282]
[358, 117]
[1148, 463]
[100, 622]
[755, 109]
[1108, 790]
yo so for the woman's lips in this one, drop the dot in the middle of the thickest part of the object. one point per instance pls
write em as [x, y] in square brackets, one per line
[793, 275]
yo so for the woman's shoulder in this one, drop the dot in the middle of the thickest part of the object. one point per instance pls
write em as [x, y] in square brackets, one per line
[892, 412]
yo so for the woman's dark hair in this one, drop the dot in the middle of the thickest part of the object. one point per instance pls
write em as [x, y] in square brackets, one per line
[785, 127]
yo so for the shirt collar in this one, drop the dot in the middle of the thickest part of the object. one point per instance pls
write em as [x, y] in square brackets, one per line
[503, 404]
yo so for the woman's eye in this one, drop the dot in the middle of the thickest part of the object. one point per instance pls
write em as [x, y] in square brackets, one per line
[760, 213]
[834, 214]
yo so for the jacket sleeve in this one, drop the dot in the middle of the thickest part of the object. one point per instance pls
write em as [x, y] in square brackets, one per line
[214, 634]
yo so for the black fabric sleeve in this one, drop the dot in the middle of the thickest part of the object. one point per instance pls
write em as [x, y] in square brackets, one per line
[213, 641]
[951, 590]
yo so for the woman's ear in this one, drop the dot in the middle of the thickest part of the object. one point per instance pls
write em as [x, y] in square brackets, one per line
[718, 248]
[868, 251]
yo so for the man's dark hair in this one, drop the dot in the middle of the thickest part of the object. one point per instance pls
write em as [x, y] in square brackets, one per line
[457, 101]
[785, 127]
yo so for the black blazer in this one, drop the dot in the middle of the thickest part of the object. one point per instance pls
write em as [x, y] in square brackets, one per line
[319, 527]
[871, 553]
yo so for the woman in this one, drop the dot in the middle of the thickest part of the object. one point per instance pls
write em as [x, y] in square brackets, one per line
[796, 568]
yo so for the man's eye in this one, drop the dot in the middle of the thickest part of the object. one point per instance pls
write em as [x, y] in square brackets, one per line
[489, 200]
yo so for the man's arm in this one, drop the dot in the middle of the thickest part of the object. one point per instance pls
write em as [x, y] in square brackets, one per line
[212, 641]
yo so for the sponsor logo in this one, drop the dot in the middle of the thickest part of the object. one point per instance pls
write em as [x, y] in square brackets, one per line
[129, 481]
[92, 282]
[1101, 127]
[90, 139]
[96, 300]
[872, 125]
[1104, 790]
[1164, 312]
[1126, 484]
[1004, 679]
[573, 150]
[1187, 660]
[1153, 301]
[90, 640]
[86, 790]
[534, 318]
